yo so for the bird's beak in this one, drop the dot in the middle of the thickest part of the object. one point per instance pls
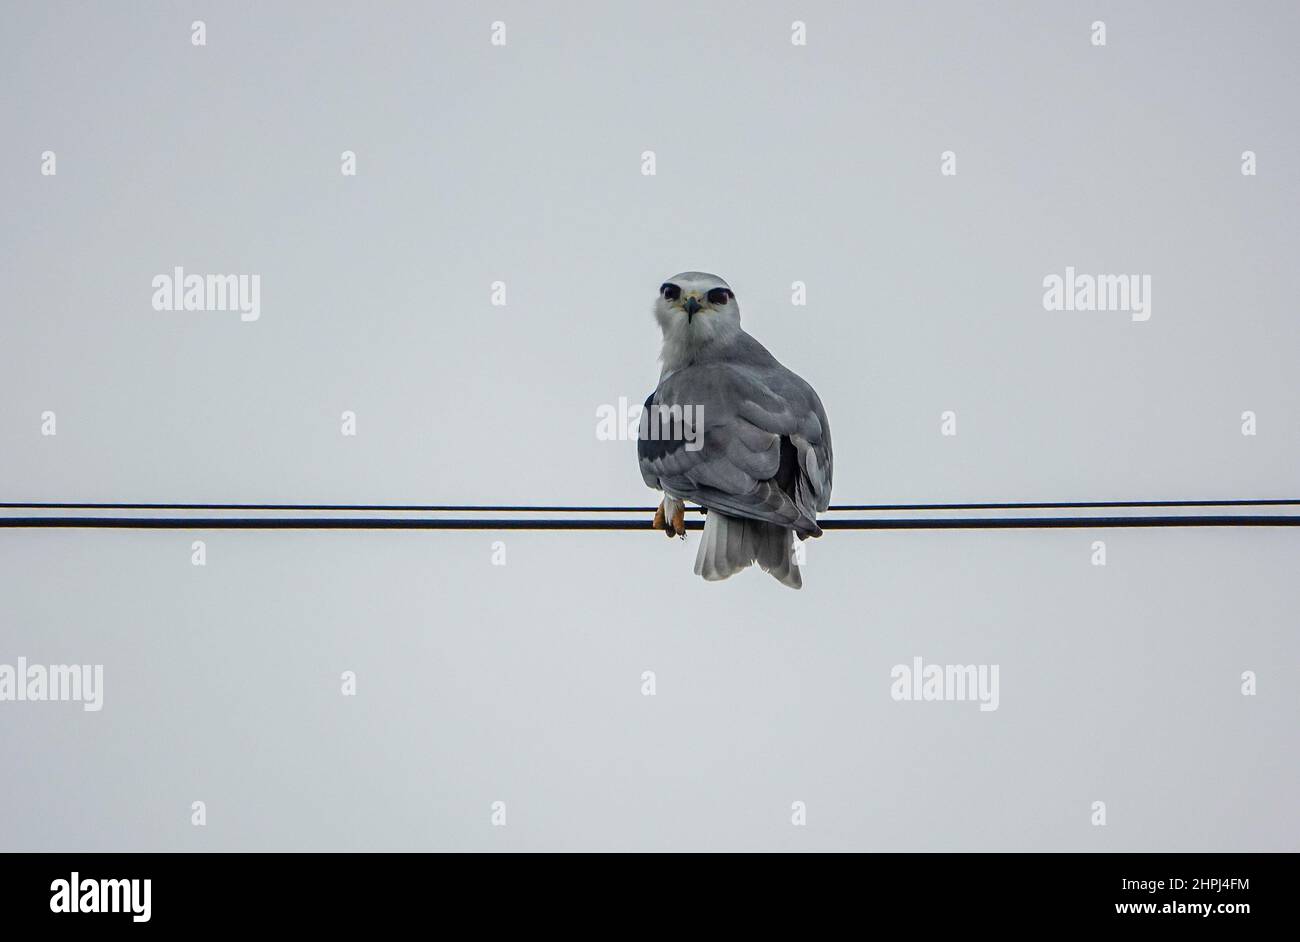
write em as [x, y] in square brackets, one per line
[692, 305]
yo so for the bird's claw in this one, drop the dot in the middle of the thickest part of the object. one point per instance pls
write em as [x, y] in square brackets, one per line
[674, 525]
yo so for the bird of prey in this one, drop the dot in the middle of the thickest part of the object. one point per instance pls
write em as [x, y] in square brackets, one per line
[731, 429]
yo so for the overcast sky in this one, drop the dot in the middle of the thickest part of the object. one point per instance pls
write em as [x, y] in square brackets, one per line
[774, 163]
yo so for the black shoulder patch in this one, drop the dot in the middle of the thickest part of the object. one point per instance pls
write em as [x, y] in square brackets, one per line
[651, 444]
[787, 473]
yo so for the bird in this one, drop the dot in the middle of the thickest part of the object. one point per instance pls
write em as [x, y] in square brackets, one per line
[733, 430]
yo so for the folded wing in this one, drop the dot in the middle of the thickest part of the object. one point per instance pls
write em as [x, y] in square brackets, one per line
[751, 441]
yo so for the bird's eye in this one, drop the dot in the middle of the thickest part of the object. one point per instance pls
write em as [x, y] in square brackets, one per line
[670, 292]
[719, 296]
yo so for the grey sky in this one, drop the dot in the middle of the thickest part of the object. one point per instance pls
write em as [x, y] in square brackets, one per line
[775, 163]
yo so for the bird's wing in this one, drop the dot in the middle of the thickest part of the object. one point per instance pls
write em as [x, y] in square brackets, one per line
[755, 443]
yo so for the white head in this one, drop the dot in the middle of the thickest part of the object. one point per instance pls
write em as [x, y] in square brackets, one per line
[694, 309]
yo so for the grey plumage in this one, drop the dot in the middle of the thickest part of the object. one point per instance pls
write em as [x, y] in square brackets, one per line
[762, 459]
[730, 544]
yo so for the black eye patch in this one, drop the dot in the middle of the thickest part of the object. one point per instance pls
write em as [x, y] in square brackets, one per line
[719, 296]
[670, 291]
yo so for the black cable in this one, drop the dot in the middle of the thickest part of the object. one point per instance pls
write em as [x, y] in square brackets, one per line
[532, 508]
[1077, 505]
[397, 523]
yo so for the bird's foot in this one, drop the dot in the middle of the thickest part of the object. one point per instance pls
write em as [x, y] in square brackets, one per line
[671, 519]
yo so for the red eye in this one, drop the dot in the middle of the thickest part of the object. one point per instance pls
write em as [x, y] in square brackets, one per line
[670, 291]
[719, 296]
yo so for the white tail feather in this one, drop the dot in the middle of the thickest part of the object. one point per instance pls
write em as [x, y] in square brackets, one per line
[730, 544]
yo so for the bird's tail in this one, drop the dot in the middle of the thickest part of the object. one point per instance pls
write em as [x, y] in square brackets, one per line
[730, 544]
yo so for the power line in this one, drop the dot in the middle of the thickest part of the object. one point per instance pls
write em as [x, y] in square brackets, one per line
[178, 516]
[536, 508]
[407, 523]
[1076, 505]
